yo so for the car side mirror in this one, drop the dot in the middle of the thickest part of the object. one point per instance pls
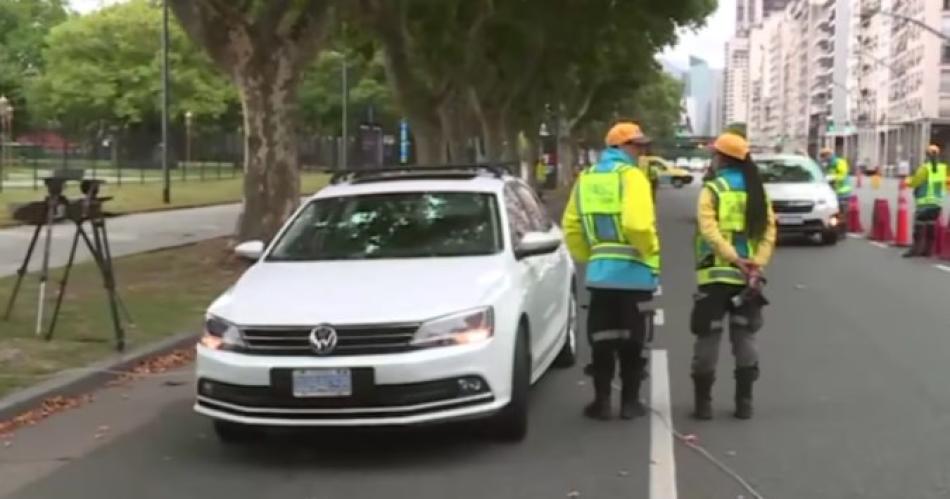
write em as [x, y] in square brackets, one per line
[250, 250]
[537, 243]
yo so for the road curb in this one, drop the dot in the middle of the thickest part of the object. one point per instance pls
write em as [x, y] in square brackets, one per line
[89, 378]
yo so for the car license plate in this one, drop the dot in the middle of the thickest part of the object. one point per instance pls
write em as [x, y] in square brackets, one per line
[790, 220]
[322, 383]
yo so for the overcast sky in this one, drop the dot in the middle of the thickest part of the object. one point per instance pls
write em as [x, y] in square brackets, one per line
[708, 43]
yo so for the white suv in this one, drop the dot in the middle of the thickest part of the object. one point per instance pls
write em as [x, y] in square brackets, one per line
[393, 297]
[803, 202]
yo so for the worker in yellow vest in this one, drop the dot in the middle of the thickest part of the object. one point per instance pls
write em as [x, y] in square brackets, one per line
[610, 224]
[930, 188]
[734, 243]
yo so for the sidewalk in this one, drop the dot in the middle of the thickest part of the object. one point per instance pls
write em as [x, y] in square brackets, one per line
[128, 234]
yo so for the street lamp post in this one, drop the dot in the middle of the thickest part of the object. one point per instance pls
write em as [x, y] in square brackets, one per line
[188, 117]
[166, 177]
[6, 133]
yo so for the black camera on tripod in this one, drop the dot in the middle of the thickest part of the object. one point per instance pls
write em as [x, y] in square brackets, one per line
[56, 208]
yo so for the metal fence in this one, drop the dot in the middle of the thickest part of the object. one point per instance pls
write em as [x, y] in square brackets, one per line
[135, 156]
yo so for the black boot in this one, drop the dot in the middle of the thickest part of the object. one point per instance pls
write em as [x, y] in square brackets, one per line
[600, 408]
[630, 406]
[702, 395]
[745, 376]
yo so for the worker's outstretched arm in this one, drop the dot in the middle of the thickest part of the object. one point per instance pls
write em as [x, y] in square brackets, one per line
[639, 214]
[920, 176]
[574, 229]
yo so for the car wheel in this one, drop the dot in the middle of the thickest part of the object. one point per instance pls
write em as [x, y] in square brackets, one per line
[567, 357]
[511, 424]
[830, 237]
[235, 433]
[678, 183]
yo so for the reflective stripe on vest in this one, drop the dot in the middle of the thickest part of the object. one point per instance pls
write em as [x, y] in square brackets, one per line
[934, 189]
[618, 251]
[730, 208]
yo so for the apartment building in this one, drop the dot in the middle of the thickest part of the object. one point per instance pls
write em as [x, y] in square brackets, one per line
[736, 81]
[798, 59]
[870, 78]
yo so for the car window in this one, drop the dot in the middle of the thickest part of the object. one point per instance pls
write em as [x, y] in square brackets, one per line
[537, 214]
[518, 220]
[392, 225]
[789, 170]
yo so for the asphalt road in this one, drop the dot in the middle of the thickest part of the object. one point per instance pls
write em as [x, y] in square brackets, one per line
[853, 403]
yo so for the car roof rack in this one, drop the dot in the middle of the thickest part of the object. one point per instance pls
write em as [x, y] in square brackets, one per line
[406, 172]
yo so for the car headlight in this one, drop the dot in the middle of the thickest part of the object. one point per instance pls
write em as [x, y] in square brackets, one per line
[471, 326]
[220, 334]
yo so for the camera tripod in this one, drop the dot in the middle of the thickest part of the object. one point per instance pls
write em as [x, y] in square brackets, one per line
[44, 215]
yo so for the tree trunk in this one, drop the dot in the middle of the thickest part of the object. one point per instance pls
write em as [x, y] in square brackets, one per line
[449, 118]
[567, 157]
[271, 169]
[428, 140]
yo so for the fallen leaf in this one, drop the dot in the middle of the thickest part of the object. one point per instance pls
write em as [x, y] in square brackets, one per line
[731, 453]
[623, 473]
[573, 493]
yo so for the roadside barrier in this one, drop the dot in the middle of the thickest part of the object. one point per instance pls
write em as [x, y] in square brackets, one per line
[854, 216]
[881, 222]
[903, 221]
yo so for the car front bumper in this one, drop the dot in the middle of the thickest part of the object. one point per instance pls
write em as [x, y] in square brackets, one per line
[425, 386]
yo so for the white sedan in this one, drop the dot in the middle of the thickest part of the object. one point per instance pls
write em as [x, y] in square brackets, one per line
[393, 298]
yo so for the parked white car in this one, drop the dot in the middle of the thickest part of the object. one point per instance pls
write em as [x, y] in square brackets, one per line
[393, 298]
[803, 202]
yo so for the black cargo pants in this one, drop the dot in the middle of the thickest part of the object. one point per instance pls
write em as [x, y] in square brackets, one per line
[617, 332]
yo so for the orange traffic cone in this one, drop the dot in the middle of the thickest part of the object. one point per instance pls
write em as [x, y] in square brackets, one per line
[854, 216]
[902, 238]
[881, 222]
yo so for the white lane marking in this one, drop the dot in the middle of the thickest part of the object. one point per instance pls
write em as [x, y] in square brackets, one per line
[879, 244]
[856, 236]
[662, 458]
[659, 318]
[659, 291]
[945, 268]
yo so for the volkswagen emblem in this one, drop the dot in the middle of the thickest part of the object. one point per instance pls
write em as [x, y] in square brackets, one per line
[323, 339]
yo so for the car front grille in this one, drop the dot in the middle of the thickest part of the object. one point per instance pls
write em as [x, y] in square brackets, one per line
[793, 206]
[351, 340]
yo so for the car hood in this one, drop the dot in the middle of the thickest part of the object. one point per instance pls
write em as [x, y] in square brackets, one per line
[360, 292]
[811, 191]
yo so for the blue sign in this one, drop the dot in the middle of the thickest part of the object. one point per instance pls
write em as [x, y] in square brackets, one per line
[403, 142]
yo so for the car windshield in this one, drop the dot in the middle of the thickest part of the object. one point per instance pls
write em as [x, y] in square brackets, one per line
[788, 170]
[392, 225]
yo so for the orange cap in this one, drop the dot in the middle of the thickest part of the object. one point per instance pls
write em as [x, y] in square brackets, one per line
[624, 132]
[826, 151]
[933, 149]
[732, 145]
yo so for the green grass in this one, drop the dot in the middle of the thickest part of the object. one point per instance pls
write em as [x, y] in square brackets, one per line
[135, 197]
[166, 293]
